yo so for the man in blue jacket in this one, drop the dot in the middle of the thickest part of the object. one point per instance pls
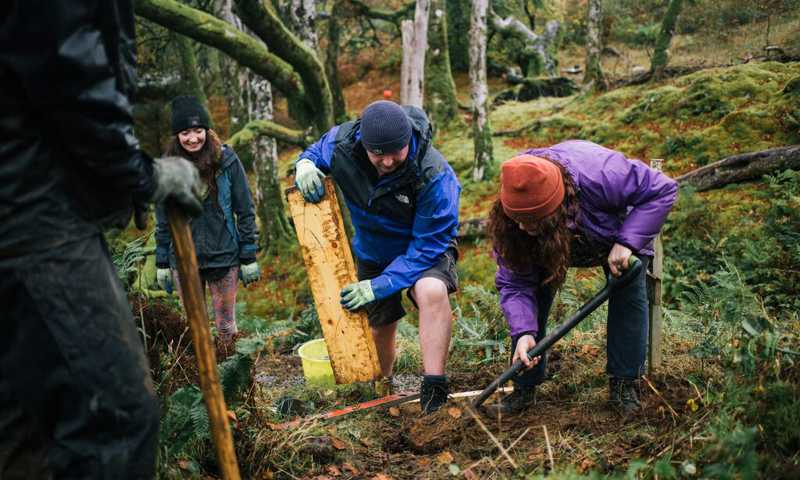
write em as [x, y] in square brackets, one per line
[403, 201]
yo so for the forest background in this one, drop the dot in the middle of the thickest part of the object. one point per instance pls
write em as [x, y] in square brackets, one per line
[275, 75]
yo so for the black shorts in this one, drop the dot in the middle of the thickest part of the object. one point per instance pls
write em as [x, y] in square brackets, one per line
[390, 309]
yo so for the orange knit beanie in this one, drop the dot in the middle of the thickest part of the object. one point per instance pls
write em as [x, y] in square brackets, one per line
[530, 186]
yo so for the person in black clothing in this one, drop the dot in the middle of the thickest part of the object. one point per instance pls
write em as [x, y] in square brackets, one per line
[76, 398]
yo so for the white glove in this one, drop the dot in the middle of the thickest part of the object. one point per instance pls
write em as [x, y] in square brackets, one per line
[308, 179]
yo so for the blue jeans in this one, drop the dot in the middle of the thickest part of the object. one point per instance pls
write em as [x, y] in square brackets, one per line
[627, 331]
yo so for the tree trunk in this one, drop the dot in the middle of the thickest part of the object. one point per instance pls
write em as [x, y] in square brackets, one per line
[332, 64]
[407, 40]
[537, 47]
[594, 71]
[269, 198]
[190, 74]
[481, 129]
[440, 101]
[414, 86]
[301, 17]
[661, 53]
[742, 168]
[268, 193]
[458, 20]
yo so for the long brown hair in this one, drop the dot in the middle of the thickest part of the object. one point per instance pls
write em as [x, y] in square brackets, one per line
[548, 248]
[207, 160]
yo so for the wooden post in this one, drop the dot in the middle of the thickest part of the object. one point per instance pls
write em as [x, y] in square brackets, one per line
[330, 266]
[195, 304]
[654, 292]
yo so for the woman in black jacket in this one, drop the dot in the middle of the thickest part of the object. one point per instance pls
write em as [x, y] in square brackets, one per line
[225, 234]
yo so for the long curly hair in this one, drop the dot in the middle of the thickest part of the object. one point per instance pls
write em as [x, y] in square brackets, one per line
[207, 160]
[547, 247]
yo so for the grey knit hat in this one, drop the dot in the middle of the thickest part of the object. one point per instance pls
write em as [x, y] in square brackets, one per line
[384, 127]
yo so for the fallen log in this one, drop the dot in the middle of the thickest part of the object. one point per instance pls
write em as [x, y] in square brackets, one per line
[742, 168]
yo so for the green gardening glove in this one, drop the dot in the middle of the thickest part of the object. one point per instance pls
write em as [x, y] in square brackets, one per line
[308, 179]
[178, 179]
[356, 295]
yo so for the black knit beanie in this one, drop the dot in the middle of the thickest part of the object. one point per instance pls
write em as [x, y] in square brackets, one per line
[188, 112]
[384, 127]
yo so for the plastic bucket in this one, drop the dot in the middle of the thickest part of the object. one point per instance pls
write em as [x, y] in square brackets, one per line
[316, 363]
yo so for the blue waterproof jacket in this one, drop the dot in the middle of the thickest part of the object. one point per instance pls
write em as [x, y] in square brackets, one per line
[225, 234]
[403, 221]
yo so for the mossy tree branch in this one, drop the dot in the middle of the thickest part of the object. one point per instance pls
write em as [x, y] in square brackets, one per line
[258, 128]
[219, 34]
[393, 16]
[260, 16]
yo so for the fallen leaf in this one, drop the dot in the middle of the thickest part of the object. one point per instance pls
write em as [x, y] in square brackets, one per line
[350, 468]
[333, 470]
[367, 442]
[444, 457]
[382, 476]
[454, 412]
[232, 416]
[586, 464]
[338, 443]
[454, 469]
[470, 475]
[424, 462]
[267, 475]
[394, 411]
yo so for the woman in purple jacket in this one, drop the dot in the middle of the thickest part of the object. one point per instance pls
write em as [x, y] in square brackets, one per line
[576, 204]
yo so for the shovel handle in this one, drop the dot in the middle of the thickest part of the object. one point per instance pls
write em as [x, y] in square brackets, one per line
[195, 306]
[612, 283]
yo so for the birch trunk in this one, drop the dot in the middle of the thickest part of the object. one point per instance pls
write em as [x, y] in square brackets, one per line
[440, 101]
[481, 129]
[257, 99]
[407, 39]
[415, 85]
[594, 71]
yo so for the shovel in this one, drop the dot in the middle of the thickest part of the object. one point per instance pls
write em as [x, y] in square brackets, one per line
[612, 283]
[195, 305]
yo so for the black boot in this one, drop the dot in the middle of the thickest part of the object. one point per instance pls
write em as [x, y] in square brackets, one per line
[433, 393]
[518, 400]
[623, 393]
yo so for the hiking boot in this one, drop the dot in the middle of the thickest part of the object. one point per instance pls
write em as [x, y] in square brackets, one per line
[433, 393]
[623, 394]
[516, 401]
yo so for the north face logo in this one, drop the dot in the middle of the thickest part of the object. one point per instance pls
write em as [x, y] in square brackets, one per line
[402, 198]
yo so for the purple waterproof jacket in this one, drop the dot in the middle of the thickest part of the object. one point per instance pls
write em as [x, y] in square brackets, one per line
[620, 201]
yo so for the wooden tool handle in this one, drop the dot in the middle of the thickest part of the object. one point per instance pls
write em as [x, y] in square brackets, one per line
[195, 305]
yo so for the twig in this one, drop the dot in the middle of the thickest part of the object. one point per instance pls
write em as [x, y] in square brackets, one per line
[672, 410]
[491, 436]
[549, 448]
[515, 442]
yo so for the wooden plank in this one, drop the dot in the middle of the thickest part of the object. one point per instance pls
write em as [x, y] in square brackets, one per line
[654, 352]
[329, 263]
[194, 301]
